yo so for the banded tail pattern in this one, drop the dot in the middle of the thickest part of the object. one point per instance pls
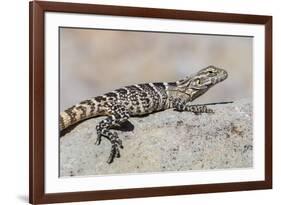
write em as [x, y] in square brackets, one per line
[81, 111]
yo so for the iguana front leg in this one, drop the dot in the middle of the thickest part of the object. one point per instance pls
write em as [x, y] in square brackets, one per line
[117, 115]
[180, 105]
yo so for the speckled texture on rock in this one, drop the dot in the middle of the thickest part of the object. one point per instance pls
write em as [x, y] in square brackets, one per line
[165, 141]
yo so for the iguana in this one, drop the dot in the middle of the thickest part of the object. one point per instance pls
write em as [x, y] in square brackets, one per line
[142, 99]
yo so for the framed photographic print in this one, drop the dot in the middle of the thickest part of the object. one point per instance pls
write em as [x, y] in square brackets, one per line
[139, 102]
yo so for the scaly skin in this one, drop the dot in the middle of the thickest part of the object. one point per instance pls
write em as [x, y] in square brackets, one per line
[136, 100]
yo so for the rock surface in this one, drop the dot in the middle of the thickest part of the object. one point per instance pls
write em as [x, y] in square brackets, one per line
[165, 141]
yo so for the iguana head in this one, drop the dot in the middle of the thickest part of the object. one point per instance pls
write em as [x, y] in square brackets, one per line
[202, 81]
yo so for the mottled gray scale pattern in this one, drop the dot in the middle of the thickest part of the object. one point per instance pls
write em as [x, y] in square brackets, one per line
[141, 99]
[123, 92]
[112, 95]
[71, 113]
[163, 95]
[151, 101]
[83, 110]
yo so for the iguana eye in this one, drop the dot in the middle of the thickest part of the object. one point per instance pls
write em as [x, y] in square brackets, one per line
[210, 72]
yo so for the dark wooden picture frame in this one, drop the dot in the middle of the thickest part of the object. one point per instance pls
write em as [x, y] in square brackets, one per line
[37, 97]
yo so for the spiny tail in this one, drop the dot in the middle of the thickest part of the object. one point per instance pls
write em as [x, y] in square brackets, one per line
[81, 111]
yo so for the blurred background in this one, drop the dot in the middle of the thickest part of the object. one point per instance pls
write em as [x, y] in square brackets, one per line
[93, 62]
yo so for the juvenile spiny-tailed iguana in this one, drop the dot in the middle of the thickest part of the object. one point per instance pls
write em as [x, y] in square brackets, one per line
[141, 99]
